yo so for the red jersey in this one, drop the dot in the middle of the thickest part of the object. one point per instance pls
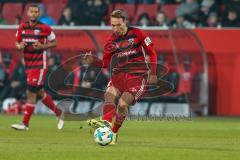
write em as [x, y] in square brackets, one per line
[34, 59]
[130, 49]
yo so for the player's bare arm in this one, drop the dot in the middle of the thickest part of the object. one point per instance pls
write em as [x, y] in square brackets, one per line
[51, 44]
[152, 79]
[21, 45]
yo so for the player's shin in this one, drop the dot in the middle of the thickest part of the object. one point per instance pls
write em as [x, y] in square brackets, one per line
[120, 117]
[47, 100]
[109, 111]
[28, 111]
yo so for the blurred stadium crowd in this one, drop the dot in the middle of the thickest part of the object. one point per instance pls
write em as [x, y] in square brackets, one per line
[161, 13]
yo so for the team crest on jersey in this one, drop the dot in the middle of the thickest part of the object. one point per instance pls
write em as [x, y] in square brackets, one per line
[131, 40]
[147, 41]
[36, 32]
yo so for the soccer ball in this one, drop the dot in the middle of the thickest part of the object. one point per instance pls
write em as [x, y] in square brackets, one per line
[103, 136]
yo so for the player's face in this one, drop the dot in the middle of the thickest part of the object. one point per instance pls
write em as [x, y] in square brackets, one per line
[33, 13]
[118, 26]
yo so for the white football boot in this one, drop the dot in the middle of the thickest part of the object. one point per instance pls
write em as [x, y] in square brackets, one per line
[20, 127]
[60, 123]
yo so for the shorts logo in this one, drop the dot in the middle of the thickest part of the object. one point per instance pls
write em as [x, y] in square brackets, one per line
[36, 32]
[133, 89]
[147, 41]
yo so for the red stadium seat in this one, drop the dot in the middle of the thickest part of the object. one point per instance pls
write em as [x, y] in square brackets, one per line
[45, 2]
[128, 8]
[150, 9]
[169, 10]
[54, 10]
[11, 11]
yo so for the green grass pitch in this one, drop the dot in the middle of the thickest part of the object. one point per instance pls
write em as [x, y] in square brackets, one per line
[199, 139]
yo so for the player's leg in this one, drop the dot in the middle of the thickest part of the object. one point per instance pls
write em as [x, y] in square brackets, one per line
[28, 111]
[135, 89]
[109, 109]
[47, 101]
[125, 100]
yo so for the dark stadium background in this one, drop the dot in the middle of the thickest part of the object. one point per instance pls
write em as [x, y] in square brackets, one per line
[208, 54]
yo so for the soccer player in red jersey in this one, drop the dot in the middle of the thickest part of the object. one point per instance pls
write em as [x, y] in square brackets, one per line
[34, 38]
[128, 48]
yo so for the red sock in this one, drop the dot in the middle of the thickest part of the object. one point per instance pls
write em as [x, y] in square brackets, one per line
[28, 111]
[118, 122]
[47, 100]
[108, 112]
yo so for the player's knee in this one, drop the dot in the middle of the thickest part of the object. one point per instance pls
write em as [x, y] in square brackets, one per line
[40, 94]
[32, 98]
[109, 97]
[123, 109]
[122, 105]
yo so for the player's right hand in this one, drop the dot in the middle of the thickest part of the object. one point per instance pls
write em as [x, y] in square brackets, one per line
[88, 58]
[21, 45]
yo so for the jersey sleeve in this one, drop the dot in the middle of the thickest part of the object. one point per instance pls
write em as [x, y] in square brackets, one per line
[51, 35]
[107, 56]
[149, 49]
[19, 34]
[104, 62]
[107, 53]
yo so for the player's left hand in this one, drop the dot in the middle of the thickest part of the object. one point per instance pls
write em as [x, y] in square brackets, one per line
[152, 79]
[38, 45]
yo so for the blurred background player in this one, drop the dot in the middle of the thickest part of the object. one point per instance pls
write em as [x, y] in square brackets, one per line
[34, 37]
[125, 52]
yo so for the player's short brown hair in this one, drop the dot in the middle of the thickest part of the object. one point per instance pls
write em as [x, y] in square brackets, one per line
[34, 6]
[119, 14]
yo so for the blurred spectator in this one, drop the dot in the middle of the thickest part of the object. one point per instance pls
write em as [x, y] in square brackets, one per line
[3, 82]
[189, 9]
[186, 70]
[181, 22]
[95, 12]
[44, 18]
[2, 19]
[232, 19]
[18, 84]
[78, 9]
[91, 77]
[18, 20]
[144, 20]
[168, 1]
[9, 64]
[231, 3]
[212, 20]
[5, 76]
[161, 20]
[207, 7]
[141, 1]
[56, 69]
[67, 18]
